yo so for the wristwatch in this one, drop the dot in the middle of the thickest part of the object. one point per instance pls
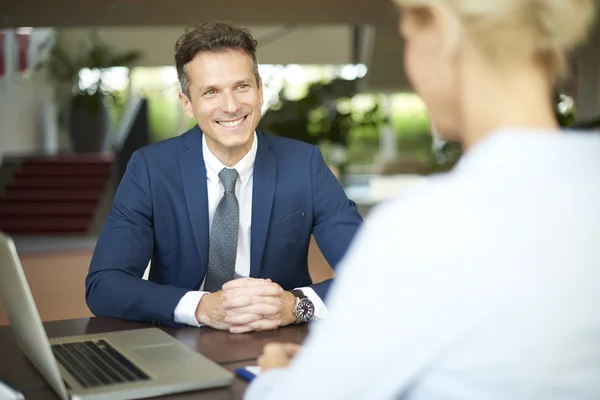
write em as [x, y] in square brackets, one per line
[303, 309]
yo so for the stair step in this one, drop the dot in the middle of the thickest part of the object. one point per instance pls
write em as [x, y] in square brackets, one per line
[52, 195]
[63, 170]
[22, 225]
[58, 182]
[86, 158]
[20, 208]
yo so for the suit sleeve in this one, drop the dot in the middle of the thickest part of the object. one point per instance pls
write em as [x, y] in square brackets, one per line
[114, 284]
[336, 217]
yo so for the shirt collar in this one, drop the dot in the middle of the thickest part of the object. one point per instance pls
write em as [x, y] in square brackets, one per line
[244, 167]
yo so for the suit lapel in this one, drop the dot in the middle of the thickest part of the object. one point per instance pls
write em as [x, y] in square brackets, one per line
[193, 172]
[263, 191]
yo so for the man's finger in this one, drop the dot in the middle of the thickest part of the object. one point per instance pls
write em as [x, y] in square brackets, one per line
[244, 282]
[262, 289]
[264, 309]
[241, 318]
[248, 300]
[240, 329]
[266, 290]
[265, 324]
[260, 325]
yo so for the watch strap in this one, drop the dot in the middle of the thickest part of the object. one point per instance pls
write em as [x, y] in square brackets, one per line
[298, 293]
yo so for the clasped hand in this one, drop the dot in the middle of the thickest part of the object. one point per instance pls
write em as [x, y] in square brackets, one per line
[246, 304]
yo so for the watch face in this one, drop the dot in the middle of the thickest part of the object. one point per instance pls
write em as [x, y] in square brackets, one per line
[305, 310]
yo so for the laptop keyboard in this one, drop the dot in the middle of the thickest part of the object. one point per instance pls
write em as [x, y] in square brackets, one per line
[97, 363]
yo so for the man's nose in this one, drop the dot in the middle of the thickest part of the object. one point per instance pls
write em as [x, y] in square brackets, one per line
[230, 104]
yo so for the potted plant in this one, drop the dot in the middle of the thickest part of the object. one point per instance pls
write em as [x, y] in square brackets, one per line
[86, 113]
[317, 119]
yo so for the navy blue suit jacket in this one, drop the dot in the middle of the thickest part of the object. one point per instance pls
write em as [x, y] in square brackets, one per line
[160, 211]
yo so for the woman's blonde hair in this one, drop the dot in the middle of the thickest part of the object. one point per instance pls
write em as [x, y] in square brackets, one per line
[544, 29]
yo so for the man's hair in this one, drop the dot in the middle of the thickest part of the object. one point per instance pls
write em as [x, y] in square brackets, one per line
[211, 37]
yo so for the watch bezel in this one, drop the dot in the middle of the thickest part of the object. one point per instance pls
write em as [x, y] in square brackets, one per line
[300, 302]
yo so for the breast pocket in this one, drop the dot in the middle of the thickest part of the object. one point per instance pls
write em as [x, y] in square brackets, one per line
[288, 223]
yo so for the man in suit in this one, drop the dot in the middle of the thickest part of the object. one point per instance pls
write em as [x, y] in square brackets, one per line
[222, 201]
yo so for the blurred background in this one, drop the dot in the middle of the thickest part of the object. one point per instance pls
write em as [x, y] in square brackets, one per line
[85, 84]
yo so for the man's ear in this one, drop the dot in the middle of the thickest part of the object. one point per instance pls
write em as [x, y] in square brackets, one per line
[186, 105]
[260, 91]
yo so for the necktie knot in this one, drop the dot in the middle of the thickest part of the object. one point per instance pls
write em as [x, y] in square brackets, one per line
[228, 177]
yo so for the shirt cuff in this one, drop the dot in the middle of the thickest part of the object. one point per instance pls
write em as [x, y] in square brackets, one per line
[320, 309]
[185, 312]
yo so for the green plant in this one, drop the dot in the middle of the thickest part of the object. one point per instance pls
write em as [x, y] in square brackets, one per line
[322, 116]
[64, 67]
[85, 112]
[163, 116]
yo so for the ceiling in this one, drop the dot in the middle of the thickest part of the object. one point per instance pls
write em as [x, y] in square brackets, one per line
[276, 44]
[77, 13]
[301, 32]
[380, 49]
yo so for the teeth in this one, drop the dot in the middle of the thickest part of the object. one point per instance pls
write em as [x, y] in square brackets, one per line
[232, 123]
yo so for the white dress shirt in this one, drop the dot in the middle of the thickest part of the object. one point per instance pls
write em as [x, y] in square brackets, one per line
[185, 312]
[483, 283]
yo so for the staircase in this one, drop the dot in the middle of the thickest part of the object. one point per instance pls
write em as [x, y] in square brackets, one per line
[54, 195]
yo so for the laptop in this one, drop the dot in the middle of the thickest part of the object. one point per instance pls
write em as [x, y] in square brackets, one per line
[117, 365]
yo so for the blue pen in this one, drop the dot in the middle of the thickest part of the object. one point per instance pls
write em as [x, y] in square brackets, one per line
[245, 374]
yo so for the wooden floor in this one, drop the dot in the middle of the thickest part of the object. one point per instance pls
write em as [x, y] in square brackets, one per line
[57, 279]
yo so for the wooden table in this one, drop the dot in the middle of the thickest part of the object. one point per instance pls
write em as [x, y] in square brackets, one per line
[229, 350]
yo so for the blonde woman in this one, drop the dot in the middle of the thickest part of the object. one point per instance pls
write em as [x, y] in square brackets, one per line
[485, 282]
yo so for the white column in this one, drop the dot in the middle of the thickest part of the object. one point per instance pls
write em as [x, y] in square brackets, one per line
[41, 43]
[10, 53]
[49, 122]
[388, 148]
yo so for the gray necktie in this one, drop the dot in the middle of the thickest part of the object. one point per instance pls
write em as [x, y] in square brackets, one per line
[224, 235]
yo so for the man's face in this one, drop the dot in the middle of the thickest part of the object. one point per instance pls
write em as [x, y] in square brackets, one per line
[225, 100]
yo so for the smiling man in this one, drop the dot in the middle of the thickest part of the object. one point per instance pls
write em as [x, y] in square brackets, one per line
[224, 211]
